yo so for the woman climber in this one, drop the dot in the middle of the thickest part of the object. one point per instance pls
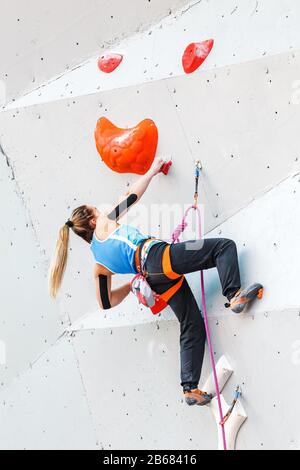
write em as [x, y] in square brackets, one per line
[119, 249]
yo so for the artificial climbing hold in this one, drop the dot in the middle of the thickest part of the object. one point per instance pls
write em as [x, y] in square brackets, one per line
[166, 167]
[127, 150]
[195, 54]
[109, 62]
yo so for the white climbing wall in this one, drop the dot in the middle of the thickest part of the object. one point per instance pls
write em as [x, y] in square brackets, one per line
[41, 41]
[70, 374]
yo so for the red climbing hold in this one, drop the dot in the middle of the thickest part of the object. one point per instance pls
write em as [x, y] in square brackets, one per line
[127, 150]
[166, 167]
[195, 54]
[109, 62]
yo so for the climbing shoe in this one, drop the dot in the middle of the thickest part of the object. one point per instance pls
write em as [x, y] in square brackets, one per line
[244, 296]
[197, 397]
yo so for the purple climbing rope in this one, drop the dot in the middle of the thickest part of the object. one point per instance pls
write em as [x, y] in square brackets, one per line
[176, 239]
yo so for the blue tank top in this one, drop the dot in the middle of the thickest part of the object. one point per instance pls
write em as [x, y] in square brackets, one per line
[116, 252]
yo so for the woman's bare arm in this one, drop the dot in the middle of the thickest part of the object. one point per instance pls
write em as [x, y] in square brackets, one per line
[119, 294]
[136, 190]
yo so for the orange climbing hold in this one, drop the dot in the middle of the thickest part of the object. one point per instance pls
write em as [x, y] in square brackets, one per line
[195, 54]
[109, 62]
[127, 150]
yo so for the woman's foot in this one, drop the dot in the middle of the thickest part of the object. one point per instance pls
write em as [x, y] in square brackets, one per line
[197, 397]
[244, 296]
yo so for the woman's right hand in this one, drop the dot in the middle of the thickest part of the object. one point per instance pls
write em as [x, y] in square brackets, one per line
[156, 166]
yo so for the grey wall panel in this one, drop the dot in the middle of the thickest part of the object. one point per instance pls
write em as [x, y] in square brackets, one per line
[46, 407]
[33, 34]
[131, 376]
[132, 380]
[29, 321]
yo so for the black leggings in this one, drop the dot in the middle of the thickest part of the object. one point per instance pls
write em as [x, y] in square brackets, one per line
[188, 257]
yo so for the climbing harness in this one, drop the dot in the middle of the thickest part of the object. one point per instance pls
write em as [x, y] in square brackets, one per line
[176, 238]
[140, 286]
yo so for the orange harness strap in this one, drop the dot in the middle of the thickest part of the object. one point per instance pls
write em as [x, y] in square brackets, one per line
[166, 264]
[166, 296]
[167, 271]
[170, 273]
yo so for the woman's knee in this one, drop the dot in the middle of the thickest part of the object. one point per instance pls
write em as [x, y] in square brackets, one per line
[227, 242]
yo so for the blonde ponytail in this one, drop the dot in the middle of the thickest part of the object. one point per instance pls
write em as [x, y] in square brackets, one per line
[80, 223]
[59, 261]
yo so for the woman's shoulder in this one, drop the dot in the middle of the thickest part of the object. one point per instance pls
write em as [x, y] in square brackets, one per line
[101, 270]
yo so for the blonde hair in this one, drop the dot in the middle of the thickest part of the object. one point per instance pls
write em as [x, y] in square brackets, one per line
[59, 261]
[80, 224]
